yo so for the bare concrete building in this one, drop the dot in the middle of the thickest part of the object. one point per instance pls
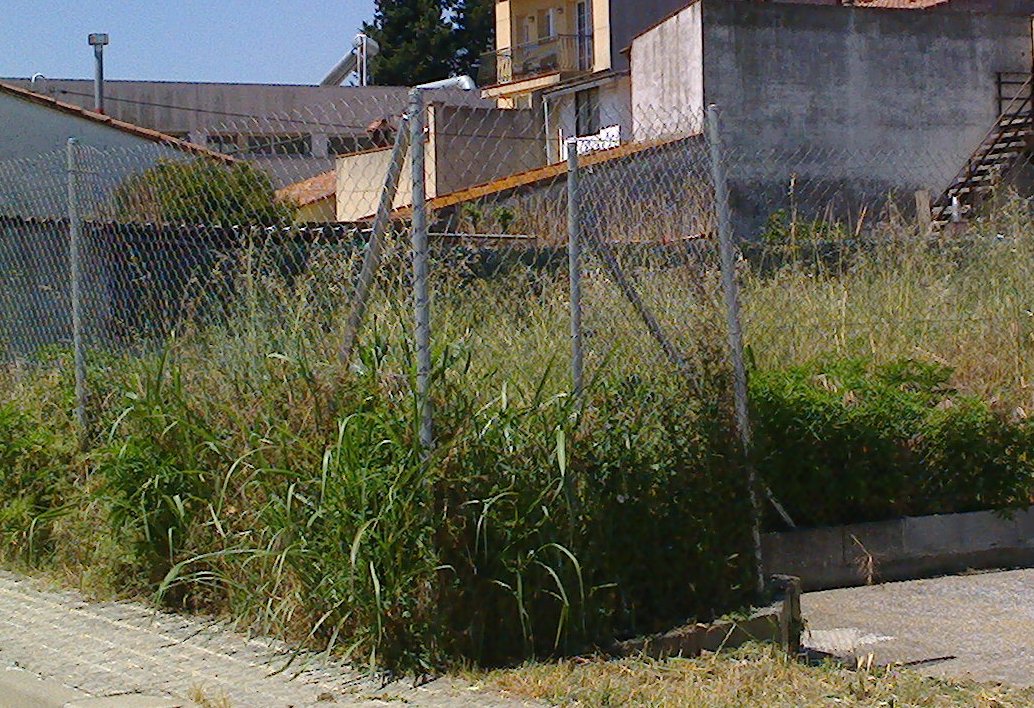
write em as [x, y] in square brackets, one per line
[293, 131]
[858, 101]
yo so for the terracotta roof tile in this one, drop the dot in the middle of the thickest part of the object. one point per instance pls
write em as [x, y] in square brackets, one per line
[308, 191]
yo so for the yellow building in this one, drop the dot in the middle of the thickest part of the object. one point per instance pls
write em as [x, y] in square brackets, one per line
[567, 58]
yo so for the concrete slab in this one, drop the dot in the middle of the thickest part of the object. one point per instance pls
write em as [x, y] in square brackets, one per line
[978, 626]
[129, 701]
[23, 689]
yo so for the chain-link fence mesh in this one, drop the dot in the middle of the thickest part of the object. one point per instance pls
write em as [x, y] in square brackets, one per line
[254, 242]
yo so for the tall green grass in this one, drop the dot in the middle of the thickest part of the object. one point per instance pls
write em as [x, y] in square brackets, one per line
[237, 467]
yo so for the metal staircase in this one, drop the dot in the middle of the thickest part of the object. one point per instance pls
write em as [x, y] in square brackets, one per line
[1010, 138]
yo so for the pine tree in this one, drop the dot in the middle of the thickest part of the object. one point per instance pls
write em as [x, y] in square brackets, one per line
[417, 42]
[474, 34]
[427, 40]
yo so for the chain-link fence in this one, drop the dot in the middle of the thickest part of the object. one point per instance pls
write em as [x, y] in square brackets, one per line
[449, 245]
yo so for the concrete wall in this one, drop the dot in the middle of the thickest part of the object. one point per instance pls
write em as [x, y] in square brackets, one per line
[35, 305]
[464, 147]
[179, 108]
[476, 145]
[140, 280]
[855, 102]
[30, 129]
[320, 211]
[668, 77]
[901, 549]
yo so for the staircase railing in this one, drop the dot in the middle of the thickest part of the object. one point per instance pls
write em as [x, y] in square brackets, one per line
[1011, 85]
[1022, 101]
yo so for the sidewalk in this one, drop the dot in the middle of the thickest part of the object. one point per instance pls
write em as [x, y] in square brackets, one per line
[978, 626]
[84, 650]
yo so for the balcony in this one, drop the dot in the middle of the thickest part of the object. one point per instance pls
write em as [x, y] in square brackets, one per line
[564, 54]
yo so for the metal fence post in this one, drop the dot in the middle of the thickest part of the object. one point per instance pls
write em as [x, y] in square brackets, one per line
[421, 298]
[75, 276]
[574, 256]
[735, 332]
[372, 259]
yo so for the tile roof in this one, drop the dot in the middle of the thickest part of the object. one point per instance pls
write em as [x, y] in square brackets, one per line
[324, 186]
[145, 133]
[309, 191]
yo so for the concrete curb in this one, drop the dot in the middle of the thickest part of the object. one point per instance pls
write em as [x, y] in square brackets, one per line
[901, 549]
[779, 623]
[24, 689]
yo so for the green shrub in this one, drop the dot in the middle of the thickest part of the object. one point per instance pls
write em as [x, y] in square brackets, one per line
[843, 441]
[36, 476]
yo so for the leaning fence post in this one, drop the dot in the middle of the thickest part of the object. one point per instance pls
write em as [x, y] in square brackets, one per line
[421, 299]
[372, 259]
[735, 333]
[75, 276]
[574, 256]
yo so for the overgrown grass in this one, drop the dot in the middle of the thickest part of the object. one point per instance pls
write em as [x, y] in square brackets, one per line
[758, 676]
[239, 468]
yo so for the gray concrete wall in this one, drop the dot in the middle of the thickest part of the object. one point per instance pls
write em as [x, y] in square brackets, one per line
[35, 301]
[901, 549]
[182, 107]
[854, 102]
[477, 145]
[360, 180]
[668, 77]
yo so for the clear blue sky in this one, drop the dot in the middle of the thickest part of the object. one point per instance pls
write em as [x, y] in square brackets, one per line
[265, 41]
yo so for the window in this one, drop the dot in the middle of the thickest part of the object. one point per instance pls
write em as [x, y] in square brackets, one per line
[583, 22]
[279, 144]
[348, 144]
[546, 24]
[587, 112]
[226, 144]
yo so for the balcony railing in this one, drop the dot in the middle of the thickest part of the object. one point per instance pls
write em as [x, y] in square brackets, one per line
[566, 53]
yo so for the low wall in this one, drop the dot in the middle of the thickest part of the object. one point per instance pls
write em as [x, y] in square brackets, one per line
[901, 549]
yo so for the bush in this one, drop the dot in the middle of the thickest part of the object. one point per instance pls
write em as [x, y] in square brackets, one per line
[876, 441]
[201, 191]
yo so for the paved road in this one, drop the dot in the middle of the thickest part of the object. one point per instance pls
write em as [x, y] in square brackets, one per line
[978, 626]
[105, 649]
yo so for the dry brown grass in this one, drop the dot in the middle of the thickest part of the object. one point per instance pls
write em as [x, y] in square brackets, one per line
[753, 676]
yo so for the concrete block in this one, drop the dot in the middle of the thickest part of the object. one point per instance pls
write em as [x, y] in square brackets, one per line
[959, 533]
[880, 539]
[22, 689]
[129, 700]
[1024, 524]
[779, 623]
[932, 535]
[902, 549]
[806, 553]
[985, 530]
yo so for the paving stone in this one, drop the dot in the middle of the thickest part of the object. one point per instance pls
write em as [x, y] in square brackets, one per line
[108, 650]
